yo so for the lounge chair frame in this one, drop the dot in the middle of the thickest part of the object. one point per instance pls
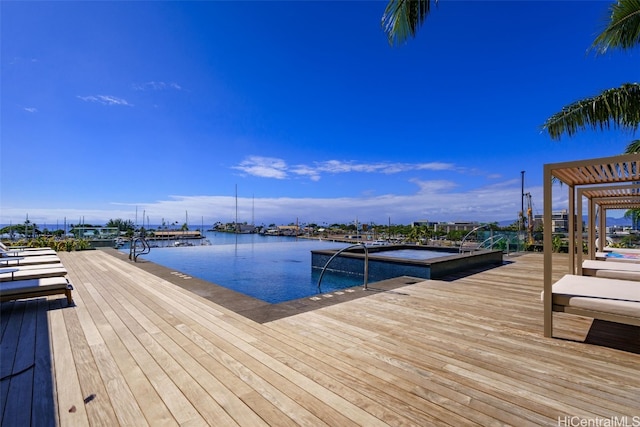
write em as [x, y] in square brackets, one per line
[607, 183]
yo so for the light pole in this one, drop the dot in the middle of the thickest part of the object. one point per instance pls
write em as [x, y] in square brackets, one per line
[521, 220]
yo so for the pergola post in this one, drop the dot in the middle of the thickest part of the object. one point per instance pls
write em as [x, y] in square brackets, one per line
[547, 242]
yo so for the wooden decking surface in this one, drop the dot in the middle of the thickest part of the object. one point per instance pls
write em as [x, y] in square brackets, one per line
[139, 350]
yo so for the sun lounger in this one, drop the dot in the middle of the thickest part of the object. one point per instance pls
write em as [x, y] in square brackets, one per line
[27, 252]
[6, 248]
[618, 256]
[11, 261]
[611, 269]
[19, 289]
[613, 300]
[20, 273]
[31, 267]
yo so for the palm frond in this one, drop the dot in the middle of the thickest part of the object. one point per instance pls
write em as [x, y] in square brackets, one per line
[402, 18]
[617, 108]
[623, 28]
[633, 147]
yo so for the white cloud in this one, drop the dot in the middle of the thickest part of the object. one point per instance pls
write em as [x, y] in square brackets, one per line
[433, 186]
[105, 100]
[270, 167]
[30, 109]
[436, 200]
[304, 170]
[266, 167]
[156, 86]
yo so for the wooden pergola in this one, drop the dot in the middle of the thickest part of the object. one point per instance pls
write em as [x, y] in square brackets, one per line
[606, 183]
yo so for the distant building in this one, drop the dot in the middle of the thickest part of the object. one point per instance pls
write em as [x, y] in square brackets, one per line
[284, 230]
[177, 234]
[424, 223]
[81, 232]
[559, 221]
[246, 228]
[455, 226]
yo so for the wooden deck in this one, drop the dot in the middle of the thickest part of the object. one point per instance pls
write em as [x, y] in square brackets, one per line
[139, 350]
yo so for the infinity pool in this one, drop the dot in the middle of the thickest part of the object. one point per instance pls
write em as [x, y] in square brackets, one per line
[272, 269]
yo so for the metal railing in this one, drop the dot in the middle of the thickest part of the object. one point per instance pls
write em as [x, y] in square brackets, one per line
[470, 233]
[366, 264]
[139, 246]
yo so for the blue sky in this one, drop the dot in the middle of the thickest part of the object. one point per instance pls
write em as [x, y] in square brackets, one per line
[163, 108]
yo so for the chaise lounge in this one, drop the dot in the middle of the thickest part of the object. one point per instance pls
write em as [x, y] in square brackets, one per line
[32, 288]
[6, 261]
[611, 269]
[24, 251]
[32, 272]
[612, 300]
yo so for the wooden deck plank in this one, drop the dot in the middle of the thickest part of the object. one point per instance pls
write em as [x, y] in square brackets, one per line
[410, 375]
[231, 404]
[468, 350]
[17, 373]
[179, 324]
[71, 408]
[239, 337]
[11, 319]
[21, 387]
[134, 397]
[43, 410]
[97, 402]
[134, 381]
[177, 344]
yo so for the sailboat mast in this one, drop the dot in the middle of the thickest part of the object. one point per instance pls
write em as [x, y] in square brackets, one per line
[236, 208]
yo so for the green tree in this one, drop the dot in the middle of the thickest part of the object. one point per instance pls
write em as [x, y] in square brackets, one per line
[617, 108]
[403, 18]
[413, 235]
[455, 235]
[634, 216]
[633, 147]
[121, 224]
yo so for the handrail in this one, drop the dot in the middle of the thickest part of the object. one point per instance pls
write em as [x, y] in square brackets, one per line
[469, 233]
[494, 239]
[366, 264]
[145, 249]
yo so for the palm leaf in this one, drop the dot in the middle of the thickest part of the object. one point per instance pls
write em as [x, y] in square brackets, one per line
[623, 28]
[613, 108]
[402, 18]
[633, 147]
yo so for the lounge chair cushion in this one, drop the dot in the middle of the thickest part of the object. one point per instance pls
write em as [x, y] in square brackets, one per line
[614, 296]
[28, 253]
[28, 260]
[592, 265]
[32, 266]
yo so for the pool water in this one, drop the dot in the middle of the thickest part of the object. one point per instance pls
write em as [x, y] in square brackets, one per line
[415, 254]
[272, 269]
